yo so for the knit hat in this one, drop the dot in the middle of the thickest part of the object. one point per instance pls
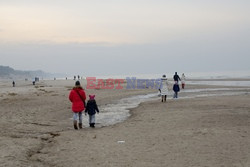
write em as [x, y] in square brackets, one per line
[77, 83]
[91, 97]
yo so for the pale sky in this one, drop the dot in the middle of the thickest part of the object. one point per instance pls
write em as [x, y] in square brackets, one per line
[96, 37]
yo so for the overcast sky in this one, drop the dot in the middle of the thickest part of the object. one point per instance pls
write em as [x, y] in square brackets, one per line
[96, 37]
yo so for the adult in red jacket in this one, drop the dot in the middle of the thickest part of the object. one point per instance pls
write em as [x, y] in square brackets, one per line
[77, 97]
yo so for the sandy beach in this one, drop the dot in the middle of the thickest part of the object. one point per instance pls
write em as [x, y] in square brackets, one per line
[37, 130]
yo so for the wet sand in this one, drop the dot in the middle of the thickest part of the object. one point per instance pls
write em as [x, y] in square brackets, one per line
[36, 129]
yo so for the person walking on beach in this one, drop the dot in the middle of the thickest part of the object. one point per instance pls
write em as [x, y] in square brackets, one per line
[13, 83]
[176, 77]
[176, 89]
[164, 88]
[77, 97]
[183, 79]
[91, 109]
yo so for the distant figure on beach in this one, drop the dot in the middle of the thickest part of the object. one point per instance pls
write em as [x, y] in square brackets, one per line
[36, 79]
[91, 109]
[13, 83]
[77, 97]
[78, 77]
[74, 77]
[33, 82]
[176, 89]
[183, 79]
[164, 88]
[176, 77]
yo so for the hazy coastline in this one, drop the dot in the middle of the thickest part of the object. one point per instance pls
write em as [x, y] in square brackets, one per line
[121, 51]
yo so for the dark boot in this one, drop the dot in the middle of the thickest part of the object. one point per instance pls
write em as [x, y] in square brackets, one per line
[80, 125]
[92, 125]
[75, 125]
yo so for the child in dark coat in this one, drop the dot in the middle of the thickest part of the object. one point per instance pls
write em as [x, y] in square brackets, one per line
[91, 109]
[176, 89]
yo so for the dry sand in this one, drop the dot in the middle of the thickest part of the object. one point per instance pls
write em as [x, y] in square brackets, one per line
[36, 130]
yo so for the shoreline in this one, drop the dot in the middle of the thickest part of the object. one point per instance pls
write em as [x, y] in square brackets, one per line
[36, 128]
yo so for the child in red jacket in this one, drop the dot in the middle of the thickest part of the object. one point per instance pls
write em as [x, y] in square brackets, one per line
[77, 97]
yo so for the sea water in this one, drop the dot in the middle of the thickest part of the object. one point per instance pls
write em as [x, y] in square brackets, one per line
[221, 83]
[189, 75]
[118, 111]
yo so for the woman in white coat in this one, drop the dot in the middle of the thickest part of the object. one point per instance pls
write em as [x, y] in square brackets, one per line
[183, 79]
[164, 88]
